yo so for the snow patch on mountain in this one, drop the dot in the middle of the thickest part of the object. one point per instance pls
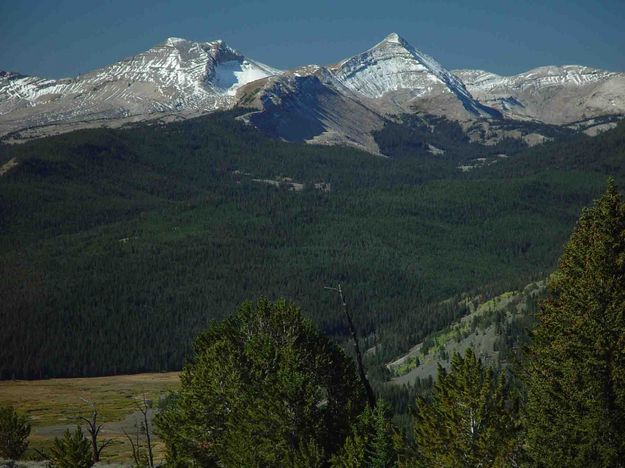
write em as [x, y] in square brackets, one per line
[231, 75]
[394, 65]
[177, 75]
[566, 75]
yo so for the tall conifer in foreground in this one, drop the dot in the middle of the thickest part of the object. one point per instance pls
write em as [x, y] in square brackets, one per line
[471, 419]
[575, 413]
[264, 388]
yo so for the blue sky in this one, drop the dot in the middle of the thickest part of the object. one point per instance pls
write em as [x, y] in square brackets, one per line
[56, 38]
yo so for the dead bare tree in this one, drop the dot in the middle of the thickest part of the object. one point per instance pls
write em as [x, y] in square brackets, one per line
[352, 329]
[136, 447]
[93, 428]
[142, 456]
[144, 408]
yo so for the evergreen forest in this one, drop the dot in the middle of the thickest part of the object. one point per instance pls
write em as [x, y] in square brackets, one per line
[118, 246]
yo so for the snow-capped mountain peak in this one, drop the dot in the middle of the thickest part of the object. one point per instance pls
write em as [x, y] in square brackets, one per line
[393, 37]
[390, 65]
[176, 75]
[193, 67]
[171, 41]
[394, 65]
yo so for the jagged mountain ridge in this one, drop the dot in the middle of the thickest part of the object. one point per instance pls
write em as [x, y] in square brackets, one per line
[176, 76]
[553, 94]
[346, 102]
[343, 103]
[393, 78]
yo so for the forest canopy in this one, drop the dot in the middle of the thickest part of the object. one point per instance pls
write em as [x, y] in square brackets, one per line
[112, 240]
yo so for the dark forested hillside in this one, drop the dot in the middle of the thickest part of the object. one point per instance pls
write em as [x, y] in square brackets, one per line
[118, 246]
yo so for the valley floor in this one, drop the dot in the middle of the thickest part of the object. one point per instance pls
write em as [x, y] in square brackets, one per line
[55, 405]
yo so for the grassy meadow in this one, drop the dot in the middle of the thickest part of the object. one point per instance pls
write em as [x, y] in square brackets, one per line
[54, 405]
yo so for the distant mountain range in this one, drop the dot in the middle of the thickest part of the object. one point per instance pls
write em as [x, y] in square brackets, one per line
[343, 103]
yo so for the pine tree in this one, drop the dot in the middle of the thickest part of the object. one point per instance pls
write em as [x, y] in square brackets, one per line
[575, 364]
[470, 420]
[14, 432]
[372, 441]
[72, 451]
[264, 388]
